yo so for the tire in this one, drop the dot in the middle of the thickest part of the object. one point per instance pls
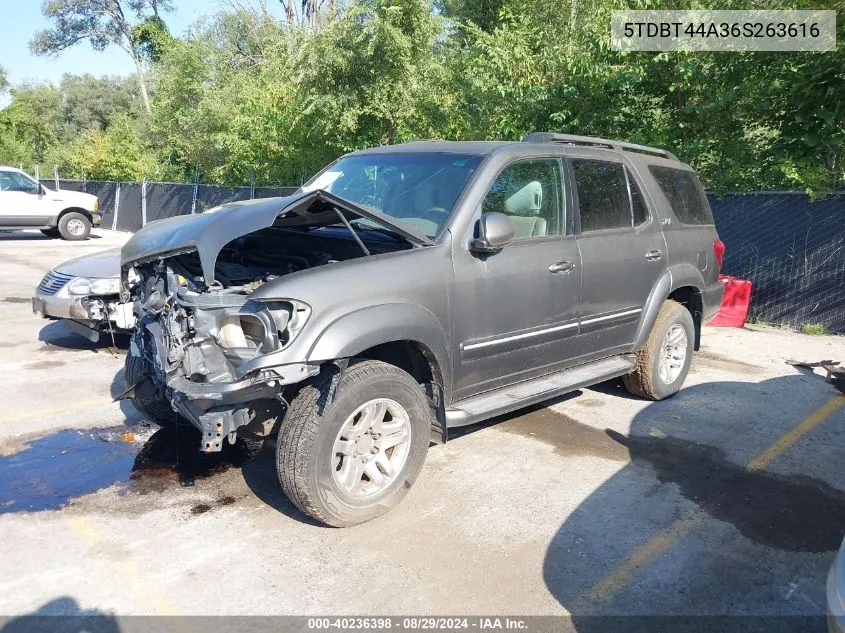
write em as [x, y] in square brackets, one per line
[52, 233]
[148, 398]
[306, 459]
[74, 226]
[646, 380]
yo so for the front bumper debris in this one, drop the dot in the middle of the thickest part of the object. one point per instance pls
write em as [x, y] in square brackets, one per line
[218, 410]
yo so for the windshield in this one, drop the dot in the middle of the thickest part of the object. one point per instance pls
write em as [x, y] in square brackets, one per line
[419, 190]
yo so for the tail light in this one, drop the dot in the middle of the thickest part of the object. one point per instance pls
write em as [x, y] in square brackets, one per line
[719, 251]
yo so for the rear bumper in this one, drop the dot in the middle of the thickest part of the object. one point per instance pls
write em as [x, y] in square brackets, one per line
[96, 218]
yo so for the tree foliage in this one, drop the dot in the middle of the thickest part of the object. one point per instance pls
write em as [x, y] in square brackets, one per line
[246, 96]
[133, 25]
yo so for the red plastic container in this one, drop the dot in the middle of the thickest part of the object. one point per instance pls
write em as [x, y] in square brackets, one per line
[734, 309]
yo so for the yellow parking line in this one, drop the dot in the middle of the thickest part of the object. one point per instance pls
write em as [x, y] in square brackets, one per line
[144, 591]
[28, 415]
[787, 440]
[623, 573]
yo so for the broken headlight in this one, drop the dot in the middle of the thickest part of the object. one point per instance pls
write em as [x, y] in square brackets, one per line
[296, 320]
[271, 325]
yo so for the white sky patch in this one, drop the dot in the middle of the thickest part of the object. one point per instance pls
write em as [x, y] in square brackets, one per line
[323, 180]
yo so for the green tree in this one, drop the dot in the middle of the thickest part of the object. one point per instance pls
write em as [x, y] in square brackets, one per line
[102, 23]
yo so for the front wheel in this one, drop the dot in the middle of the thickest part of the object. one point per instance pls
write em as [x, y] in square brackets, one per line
[148, 398]
[74, 226]
[664, 362]
[352, 444]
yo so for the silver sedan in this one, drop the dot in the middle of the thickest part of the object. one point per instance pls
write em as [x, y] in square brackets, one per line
[84, 293]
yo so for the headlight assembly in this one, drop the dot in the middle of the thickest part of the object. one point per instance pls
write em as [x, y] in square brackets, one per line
[290, 317]
[277, 323]
[92, 286]
[298, 318]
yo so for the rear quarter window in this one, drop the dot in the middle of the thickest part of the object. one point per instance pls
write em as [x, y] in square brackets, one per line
[684, 193]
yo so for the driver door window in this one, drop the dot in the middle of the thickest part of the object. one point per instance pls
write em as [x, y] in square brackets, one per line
[529, 191]
[14, 181]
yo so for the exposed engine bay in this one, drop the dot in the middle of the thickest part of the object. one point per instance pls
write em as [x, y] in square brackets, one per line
[206, 341]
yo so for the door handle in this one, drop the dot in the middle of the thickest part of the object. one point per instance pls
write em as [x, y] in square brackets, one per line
[562, 267]
[654, 255]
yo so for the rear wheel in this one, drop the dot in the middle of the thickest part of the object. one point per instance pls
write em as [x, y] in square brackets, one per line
[74, 226]
[351, 445]
[664, 362]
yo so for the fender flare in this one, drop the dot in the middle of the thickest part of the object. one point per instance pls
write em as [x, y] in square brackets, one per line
[357, 331]
[674, 278]
[88, 214]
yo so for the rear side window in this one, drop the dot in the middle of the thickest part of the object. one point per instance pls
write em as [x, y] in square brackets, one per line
[608, 195]
[684, 193]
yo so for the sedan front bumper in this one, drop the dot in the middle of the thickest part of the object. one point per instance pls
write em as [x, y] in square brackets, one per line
[94, 313]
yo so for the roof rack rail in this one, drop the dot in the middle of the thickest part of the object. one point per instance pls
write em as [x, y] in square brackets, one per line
[572, 139]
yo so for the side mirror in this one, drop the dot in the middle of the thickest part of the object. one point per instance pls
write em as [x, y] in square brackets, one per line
[493, 232]
[41, 190]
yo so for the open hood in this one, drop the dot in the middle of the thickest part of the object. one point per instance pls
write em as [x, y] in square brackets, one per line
[209, 232]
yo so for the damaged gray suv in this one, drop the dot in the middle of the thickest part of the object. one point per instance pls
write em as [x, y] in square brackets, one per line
[413, 288]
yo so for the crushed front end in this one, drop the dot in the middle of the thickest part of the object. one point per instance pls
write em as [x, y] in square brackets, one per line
[213, 346]
[204, 349]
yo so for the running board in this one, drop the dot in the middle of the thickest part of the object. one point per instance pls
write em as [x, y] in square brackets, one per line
[522, 394]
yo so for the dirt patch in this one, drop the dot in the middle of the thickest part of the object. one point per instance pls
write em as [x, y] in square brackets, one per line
[591, 403]
[795, 513]
[712, 360]
[202, 508]
[17, 300]
[44, 364]
[569, 437]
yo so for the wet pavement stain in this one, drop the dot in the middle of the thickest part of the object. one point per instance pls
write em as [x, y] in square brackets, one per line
[55, 469]
[569, 437]
[796, 513]
[50, 472]
[171, 457]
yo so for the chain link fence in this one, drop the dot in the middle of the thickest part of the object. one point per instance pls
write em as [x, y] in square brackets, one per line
[793, 251]
[127, 206]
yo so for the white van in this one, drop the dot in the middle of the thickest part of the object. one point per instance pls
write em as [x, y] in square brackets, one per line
[27, 204]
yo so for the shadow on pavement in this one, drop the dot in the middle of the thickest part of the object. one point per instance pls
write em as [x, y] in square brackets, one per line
[56, 336]
[685, 528]
[61, 615]
[38, 236]
[260, 476]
